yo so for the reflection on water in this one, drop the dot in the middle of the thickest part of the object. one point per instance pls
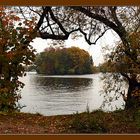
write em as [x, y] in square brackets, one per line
[56, 95]
[62, 84]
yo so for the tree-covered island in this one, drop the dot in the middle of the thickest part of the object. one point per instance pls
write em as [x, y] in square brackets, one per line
[63, 61]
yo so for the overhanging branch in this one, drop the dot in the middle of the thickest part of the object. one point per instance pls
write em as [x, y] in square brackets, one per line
[88, 39]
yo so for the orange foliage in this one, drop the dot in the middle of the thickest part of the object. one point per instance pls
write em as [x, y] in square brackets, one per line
[15, 50]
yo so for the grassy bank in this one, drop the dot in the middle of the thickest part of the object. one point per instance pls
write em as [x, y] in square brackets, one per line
[98, 122]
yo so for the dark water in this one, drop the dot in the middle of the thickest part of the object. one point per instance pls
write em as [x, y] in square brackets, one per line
[56, 95]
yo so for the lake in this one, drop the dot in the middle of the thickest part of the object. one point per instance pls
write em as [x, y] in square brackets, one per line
[59, 95]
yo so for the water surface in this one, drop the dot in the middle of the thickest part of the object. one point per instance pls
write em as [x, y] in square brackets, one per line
[58, 95]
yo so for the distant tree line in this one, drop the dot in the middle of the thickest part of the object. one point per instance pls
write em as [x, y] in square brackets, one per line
[63, 61]
[103, 67]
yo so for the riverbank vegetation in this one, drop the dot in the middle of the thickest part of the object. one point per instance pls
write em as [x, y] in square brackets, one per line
[97, 122]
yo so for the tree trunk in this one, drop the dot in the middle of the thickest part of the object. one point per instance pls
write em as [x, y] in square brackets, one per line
[133, 95]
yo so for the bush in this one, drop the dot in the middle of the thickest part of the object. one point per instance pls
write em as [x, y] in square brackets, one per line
[86, 123]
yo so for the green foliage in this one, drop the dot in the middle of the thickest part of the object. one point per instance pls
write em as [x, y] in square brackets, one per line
[64, 61]
[15, 53]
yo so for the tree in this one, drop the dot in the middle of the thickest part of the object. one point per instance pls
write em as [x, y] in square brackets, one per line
[103, 67]
[64, 61]
[92, 22]
[15, 53]
[123, 69]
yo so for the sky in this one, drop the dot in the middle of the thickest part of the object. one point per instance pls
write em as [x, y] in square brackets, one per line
[109, 39]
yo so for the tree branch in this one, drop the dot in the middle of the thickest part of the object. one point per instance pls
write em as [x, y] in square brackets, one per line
[126, 76]
[47, 18]
[52, 36]
[97, 17]
[40, 22]
[33, 11]
[57, 21]
[88, 39]
[114, 16]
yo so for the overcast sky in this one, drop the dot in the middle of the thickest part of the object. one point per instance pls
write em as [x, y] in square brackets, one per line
[95, 51]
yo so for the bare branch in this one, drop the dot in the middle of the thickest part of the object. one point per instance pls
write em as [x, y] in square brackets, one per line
[21, 11]
[126, 76]
[52, 36]
[57, 21]
[114, 16]
[47, 18]
[88, 39]
[33, 11]
[97, 17]
[40, 22]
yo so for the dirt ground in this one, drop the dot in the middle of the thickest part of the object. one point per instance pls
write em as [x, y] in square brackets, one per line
[97, 122]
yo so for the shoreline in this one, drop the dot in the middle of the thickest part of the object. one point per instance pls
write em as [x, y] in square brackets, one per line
[97, 122]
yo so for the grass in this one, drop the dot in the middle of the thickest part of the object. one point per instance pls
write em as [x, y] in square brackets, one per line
[97, 122]
[85, 123]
